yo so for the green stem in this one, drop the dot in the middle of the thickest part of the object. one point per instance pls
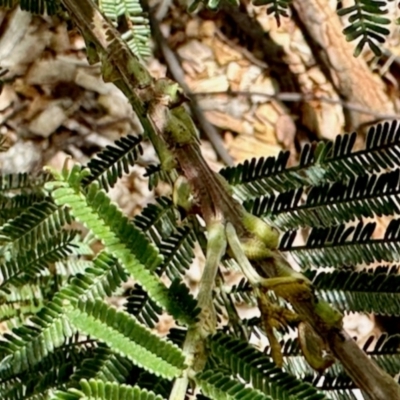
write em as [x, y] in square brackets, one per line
[234, 244]
[194, 345]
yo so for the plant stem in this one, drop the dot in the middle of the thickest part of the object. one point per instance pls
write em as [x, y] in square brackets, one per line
[216, 203]
[194, 345]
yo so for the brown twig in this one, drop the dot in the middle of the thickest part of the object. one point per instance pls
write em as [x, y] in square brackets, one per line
[174, 67]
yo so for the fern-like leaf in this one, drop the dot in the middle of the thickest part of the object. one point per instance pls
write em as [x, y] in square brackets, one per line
[366, 22]
[278, 8]
[34, 261]
[103, 364]
[119, 236]
[156, 174]
[178, 253]
[142, 307]
[36, 7]
[13, 206]
[220, 386]
[158, 221]
[252, 366]
[331, 247]
[329, 204]
[97, 389]
[38, 223]
[23, 299]
[23, 181]
[127, 337]
[110, 164]
[137, 34]
[48, 330]
[324, 163]
[363, 291]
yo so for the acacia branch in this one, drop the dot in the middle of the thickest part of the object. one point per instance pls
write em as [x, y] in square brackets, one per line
[216, 203]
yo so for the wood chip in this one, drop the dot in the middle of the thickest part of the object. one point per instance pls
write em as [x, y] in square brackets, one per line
[215, 84]
[225, 54]
[48, 121]
[45, 72]
[91, 82]
[7, 97]
[244, 147]
[227, 122]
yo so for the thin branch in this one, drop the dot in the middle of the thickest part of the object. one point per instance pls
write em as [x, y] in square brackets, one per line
[175, 69]
[294, 97]
[194, 345]
[216, 203]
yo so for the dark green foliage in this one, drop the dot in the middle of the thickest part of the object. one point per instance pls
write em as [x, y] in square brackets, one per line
[278, 8]
[366, 22]
[251, 366]
[38, 223]
[385, 351]
[8, 3]
[324, 163]
[332, 203]
[154, 383]
[142, 307]
[51, 373]
[158, 221]
[28, 264]
[34, 6]
[221, 386]
[340, 245]
[18, 192]
[367, 291]
[156, 174]
[11, 207]
[111, 163]
[177, 251]
[23, 181]
[102, 363]
[334, 190]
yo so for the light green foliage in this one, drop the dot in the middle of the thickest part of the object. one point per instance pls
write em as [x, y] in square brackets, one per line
[117, 234]
[137, 36]
[330, 316]
[127, 337]
[98, 390]
[265, 238]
